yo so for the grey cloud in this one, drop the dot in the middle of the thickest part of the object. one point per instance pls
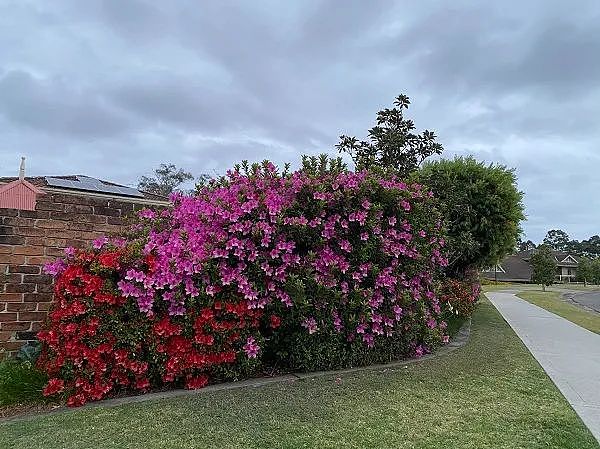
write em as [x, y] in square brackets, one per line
[117, 87]
[54, 106]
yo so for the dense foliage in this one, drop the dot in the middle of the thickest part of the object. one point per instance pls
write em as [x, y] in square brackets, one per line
[301, 271]
[392, 144]
[483, 209]
[543, 266]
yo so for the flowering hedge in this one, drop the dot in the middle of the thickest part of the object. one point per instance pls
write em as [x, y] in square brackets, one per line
[292, 272]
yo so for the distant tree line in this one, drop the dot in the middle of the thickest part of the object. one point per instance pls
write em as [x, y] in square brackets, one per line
[559, 240]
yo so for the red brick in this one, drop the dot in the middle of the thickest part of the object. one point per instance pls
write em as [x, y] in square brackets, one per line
[79, 209]
[96, 219]
[30, 232]
[37, 297]
[17, 221]
[81, 226]
[55, 252]
[5, 316]
[12, 240]
[5, 336]
[36, 327]
[11, 297]
[44, 306]
[48, 205]
[35, 241]
[6, 230]
[32, 316]
[55, 242]
[38, 260]
[107, 229]
[25, 269]
[14, 259]
[119, 221]
[34, 214]
[20, 288]
[13, 345]
[21, 307]
[109, 211]
[11, 278]
[29, 250]
[6, 249]
[77, 243]
[15, 326]
[8, 212]
[3, 306]
[49, 288]
[51, 224]
[37, 279]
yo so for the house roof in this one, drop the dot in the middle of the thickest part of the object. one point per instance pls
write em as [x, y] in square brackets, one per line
[513, 268]
[562, 258]
[84, 184]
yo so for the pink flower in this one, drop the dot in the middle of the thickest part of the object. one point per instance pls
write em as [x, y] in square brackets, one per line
[311, 325]
[251, 348]
[99, 242]
[69, 251]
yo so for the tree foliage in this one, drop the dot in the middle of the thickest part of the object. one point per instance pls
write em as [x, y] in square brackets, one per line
[526, 246]
[557, 239]
[392, 143]
[543, 266]
[167, 178]
[585, 270]
[482, 206]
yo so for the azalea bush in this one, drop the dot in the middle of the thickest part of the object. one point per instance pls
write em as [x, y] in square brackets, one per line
[258, 270]
[460, 296]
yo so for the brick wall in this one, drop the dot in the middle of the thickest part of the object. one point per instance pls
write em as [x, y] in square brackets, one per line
[28, 239]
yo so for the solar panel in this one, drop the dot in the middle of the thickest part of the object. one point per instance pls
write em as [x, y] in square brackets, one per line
[93, 185]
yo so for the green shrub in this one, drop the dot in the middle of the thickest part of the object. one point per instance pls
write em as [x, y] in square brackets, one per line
[20, 382]
[482, 207]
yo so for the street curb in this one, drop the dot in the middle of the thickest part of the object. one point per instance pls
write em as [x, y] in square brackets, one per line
[460, 339]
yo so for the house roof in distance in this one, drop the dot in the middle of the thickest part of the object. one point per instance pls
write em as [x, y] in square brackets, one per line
[86, 184]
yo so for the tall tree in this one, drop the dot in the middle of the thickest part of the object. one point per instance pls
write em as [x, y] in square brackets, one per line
[543, 266]
[526, 246]
[590, 247]
[167, 178]
[557, 239]
[585, 270]
[392, 144]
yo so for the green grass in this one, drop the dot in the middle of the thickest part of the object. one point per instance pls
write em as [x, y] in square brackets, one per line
[489, 394]
[552, 302]
[20, 383]
[499, 286]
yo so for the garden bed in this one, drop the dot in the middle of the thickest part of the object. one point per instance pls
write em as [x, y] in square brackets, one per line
[489, 394]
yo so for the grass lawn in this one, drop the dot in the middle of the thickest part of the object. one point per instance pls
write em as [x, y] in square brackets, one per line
[552, 302]
[489, 394]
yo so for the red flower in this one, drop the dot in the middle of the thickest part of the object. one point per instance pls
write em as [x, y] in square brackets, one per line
[275, 321]
[164, 328]
[53, 387]
[142, 383]
[196, 382]
[77, 400]
[109, 260]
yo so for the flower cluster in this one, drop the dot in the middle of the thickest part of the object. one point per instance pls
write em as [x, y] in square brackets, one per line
[230, 277]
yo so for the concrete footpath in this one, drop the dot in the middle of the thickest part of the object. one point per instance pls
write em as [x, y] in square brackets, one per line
[569, 354]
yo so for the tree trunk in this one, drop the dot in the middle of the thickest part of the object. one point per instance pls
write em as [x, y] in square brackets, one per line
[543, 287]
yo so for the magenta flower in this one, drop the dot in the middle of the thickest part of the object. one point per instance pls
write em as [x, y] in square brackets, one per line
[251, 348]
[311, 325]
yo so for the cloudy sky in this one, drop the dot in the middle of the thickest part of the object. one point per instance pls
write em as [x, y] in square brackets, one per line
[113, 88]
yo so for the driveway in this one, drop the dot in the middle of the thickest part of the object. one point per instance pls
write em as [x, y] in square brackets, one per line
[590, 300]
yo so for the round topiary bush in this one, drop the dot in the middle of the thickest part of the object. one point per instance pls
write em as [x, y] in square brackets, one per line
[296, 272]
